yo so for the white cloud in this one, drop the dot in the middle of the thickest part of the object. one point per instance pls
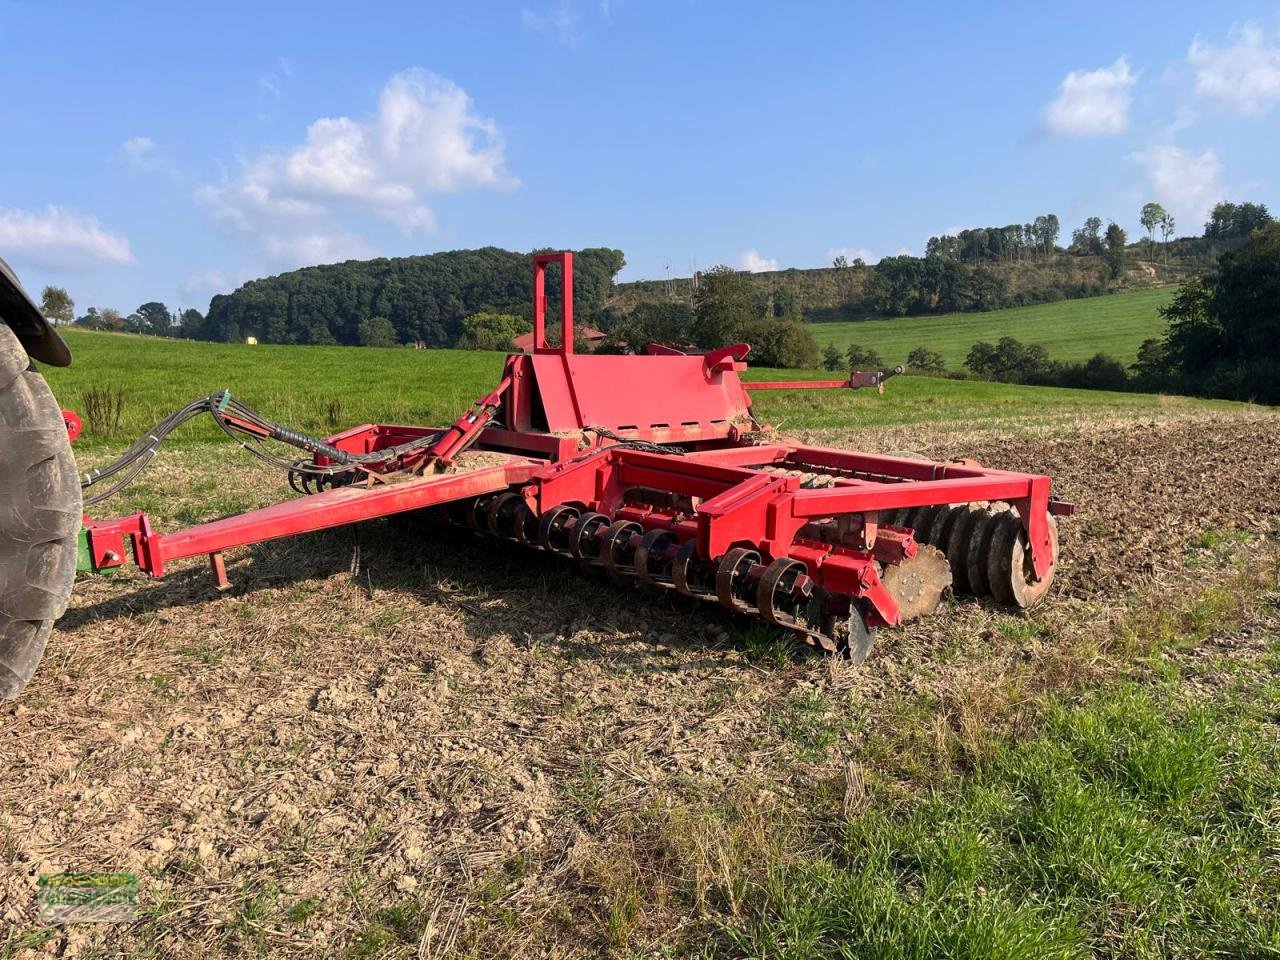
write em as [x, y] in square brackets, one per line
[1186, 183]
[852, 253]
[425, 138]
[59, 239]
[560, 21]
[1245, 74]
[307, 249]
[208, 282]
[1092, 103]
[751, 260]
[273, 81]
[138, 153]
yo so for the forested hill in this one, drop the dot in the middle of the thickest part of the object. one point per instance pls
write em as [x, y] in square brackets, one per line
[423, 298]
[915, 286]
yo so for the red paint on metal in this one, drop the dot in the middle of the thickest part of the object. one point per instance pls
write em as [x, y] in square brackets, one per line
[540, 263]
[73, 423]
[795, 384]
[895, 546]
[218, 567]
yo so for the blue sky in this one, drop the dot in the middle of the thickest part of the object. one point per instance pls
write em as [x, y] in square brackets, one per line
[172, 151]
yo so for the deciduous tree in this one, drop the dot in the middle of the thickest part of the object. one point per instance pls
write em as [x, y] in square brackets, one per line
[924, 360]
[863, 359]
[190, 323]
[378, 332]
[491, 331]
[57, 306]
[1152, 214]
[1166, 231]
[1115, 241]
[722, 307]
[1231, 221]
[154, 318]
[1087, 240]
[781, 342]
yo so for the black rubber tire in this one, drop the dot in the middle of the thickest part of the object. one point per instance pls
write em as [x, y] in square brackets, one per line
[40, 511]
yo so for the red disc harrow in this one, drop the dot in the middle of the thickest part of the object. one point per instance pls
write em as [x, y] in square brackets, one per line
[655, 470]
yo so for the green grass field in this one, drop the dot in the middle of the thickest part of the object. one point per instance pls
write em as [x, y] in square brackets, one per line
[320, 389]
[1071, 329]
[1128, 826]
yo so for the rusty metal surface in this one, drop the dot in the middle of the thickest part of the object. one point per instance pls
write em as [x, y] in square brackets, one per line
[918, 584]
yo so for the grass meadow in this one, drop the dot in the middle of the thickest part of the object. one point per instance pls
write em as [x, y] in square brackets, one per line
[321, 389]
[1070, 329]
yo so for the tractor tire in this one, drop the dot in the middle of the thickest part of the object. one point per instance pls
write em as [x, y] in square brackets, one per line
[40, 515]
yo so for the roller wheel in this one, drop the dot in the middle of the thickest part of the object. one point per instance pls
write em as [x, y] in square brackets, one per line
[687, 573]
[1009, 567]
[731, 578]
[649, 564]
[583, 542]
[783, 590]
[476, 513]
[923, 523]
[978, 547]
[943, 521]
[614, 548]
[500, 517]
[552, 526]
[40, 511]
[524, 524]
[957, 549]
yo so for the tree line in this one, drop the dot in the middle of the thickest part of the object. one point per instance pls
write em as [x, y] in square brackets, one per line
[388, 301]
[152, 318]
[1013, 242]
[1227, 222]
[1223, 340]
[954, 276]
[724, 310]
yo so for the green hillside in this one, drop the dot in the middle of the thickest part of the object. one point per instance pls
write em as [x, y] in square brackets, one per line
[1071, 329]
[827, 294]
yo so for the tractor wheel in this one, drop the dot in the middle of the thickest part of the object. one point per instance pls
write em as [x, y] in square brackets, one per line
[40, 511]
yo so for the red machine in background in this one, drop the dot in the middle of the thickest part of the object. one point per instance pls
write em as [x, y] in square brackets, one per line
[654, 469]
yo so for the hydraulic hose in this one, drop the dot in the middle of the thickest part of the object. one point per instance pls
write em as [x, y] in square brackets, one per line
[248, 428]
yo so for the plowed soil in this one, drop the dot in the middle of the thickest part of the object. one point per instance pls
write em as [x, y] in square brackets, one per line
[457, 728]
